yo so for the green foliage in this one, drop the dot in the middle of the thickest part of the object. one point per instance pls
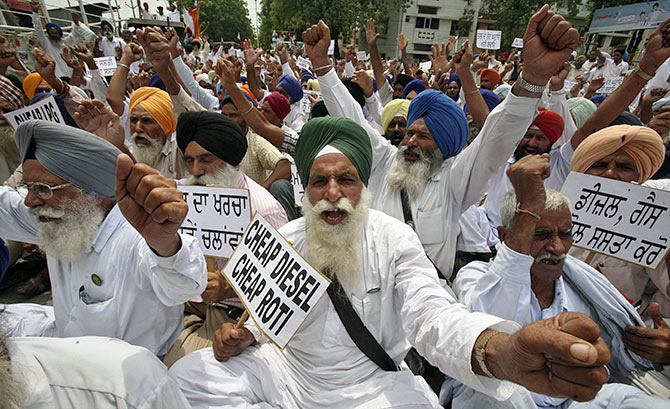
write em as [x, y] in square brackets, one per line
[465, 22]
[227, 19]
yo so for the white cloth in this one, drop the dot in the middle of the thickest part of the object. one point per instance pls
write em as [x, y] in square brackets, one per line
[460, 182]
[201, 95]
[615, 70]
[141, 295]
[91, 372]
[146, 14]
[296, 118]
[108, 47]
[401, 302]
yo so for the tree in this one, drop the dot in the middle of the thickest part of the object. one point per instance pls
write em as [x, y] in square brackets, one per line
[229, 19]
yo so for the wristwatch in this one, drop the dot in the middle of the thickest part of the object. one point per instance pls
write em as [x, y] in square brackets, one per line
[640, 73]
[532, 88]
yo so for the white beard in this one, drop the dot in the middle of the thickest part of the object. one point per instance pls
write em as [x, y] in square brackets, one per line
[222, 177]
[336, 248]
[72, 236]
[146, 154]
[413, 175]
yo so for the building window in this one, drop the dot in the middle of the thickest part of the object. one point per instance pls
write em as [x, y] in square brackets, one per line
[432, 23]
[422, 47]
[406, 19]
[427, 10]
[435, 23]
[420, 21]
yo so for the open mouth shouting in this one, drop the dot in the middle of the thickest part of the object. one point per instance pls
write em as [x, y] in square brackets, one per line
[333, 216]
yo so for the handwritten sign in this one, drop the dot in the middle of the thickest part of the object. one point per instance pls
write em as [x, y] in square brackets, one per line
[217, 217]
[106, 65]
[361, 55]
[331, 47]
[489, 39]
[567, 85]
[275, 284]
[298, 190]
[425, 66]
[44, 110]
[517, 43]
[619, 219]
[611, 83]
[303, 63]
[305, 102]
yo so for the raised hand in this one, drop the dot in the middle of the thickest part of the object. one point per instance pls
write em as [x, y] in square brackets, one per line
[73, 63]
[527, 176]
[97, 118]
[650, 343]
[84, 54]
[226, 72]
[596, 83]
[156, 47]
[132, 53]
[451, 43]
[657, 48]
[173, 39]
[46, 67]
[463, 59]
[371, 34]
[364, 81]
[439, 57]
[402, 42]
[229, 341]
[282, 53]
[660, 122]
[317, 41]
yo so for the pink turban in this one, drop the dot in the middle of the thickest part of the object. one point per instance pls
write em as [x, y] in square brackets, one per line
[550, 123]
[643, 144]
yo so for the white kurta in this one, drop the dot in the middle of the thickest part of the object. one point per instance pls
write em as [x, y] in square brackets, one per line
[139, 296]
[91, 372]
[401, 302]
[460, 182]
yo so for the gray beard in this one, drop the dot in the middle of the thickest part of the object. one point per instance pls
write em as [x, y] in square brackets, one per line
[143, 153]
[335, 249]
[11, 387]
[413, 175]
[72, 236]
[222, 177]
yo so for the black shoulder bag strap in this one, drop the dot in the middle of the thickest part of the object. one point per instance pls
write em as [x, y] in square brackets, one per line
[357, 330]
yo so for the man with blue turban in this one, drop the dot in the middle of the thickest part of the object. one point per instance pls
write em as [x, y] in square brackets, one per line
[289, 86]
[454, 87]
[110, 231]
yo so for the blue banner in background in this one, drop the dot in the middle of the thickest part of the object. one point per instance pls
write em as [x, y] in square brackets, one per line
[630, 17]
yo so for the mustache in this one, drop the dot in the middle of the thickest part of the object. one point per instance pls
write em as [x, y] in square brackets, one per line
[343, 205]
[548, 255]
[42, 211]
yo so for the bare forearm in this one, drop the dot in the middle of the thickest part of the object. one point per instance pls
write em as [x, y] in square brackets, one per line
[254, 83]
[476, 104]
[117, 86]
[77, 78]
[405, 61]
[281, 171]
[377, 68]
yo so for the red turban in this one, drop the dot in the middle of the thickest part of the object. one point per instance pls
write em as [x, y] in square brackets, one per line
[492, 75]
[279, 104]
[550, 123]
[504, 55]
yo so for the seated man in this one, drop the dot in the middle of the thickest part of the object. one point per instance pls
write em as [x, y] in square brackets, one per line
[531, 279]
[117, 264]
[213, 147]
[378, 265]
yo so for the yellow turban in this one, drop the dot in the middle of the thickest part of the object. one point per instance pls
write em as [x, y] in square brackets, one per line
[158, 104]
[396, 106]
[30, 84]
[313, 85]
[643, 144]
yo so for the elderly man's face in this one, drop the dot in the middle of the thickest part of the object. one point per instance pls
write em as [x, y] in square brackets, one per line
[270, 114]
[53, 34]
[618, 166]
[534, 142]
[332, 178]
[419, 137]
[231, 112]
[33, 171]
[551, 242]
[142, 122]
[200, 161]
[282, 91]
[486, 83]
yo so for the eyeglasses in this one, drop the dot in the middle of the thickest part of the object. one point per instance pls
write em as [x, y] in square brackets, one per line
[42, 190]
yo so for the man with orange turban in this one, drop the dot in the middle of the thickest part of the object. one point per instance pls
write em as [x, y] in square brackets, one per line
[152, 124]
[631, 154]
[34, 83]
[489, 79]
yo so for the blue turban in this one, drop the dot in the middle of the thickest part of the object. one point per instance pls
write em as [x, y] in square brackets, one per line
[414, 85]
[56, 26]
[291, 86]
[306, 76]
[227, 99]
[490, 98]
[456, 78]
[444, 118]
[157, 82]
[598, 99]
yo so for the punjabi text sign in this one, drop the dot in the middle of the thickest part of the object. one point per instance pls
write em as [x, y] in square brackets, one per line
[43, 110]
[619, 219]
[489, 39]
[106, 65]
[275, 284]
[298, 190]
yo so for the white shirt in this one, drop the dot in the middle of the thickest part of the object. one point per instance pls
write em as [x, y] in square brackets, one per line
[611, 69]
[141, 295]
[146, 14]
[91, 372]
[460, 182]
[108, 47]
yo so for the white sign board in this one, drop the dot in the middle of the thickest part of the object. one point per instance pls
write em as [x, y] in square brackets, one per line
[239, 53]
[611, 83]
[298, 190]
[303, 63]
[44, 110]
[106, 65]
[217, 217]
[623, 220]
[275, 284]
[517, 43]
[305, 103]
[567, 85]
[489, 39]
[331, 47]
[425, 66]
[361, 55]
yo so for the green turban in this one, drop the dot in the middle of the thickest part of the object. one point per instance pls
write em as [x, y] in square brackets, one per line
[341, 133]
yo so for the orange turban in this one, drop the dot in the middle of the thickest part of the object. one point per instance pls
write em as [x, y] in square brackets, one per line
[246, 89]
[158, 104]
[30, 84]
[550, 123]
[492, 75]
[643, 144]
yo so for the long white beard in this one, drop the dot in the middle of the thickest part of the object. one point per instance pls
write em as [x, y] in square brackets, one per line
[413, 175]
[336, 248]
[146, 154]
[223, 177]
[73, 235]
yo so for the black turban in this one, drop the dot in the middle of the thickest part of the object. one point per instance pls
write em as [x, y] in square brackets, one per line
[215, 132]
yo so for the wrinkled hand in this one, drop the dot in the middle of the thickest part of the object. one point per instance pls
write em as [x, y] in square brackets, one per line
[650, 343]
[557, 80]
[440, 81]
[229, 342]
[562, 356]
[317, 41]
[218, 288]
[44, 65]
[84, 54]
[660, 122]
[371, 34]
[657, 48]
[151, 203]
[97, 118]
[226, 72]
[250, 55]
[132, 53]
[451, 43]
[402, 42]
[282, 53]
[438, 57]
[463, 59]
[548, 42]
[73, 63]
[655, 94]
[364, 81]
[156, 47]
[173, 40]
[527, 176]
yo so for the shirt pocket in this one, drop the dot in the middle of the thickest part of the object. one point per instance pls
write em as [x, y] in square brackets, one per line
[430, 226]
[97, 317]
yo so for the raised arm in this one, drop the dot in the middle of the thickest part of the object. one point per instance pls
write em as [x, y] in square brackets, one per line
[476, 104]
[371, 36]
[402, 44]
[116, 92]
[251, 57]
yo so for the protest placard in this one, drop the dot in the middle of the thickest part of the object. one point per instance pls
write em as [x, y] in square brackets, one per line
[362, 55]
[239, 53]
[517, 43]
[331, 47]
[305, 103]
[216, 216]
[106, 65]
[275, 284]
[425, 66]
[298, 190]
[44, 110]
[611, 83]
[623, 220]
[489, 39]
[567, 85]
[303, 63]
